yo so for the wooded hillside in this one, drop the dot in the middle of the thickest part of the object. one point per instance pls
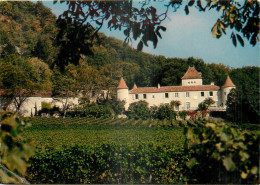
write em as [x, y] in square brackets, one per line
[29, 30]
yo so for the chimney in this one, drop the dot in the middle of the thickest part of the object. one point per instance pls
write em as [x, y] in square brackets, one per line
[212, 83]
[159, 86]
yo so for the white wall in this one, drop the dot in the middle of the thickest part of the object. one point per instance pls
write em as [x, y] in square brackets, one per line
[28, 107]
[186, 82]
[155, 99]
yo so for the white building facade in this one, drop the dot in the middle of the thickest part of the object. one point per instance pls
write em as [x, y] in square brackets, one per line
[190, 94]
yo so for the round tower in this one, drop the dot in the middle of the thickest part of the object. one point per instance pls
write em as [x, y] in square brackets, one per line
[122, 92]
[226, 88]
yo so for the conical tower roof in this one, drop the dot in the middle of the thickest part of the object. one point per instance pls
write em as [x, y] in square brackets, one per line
[191, 73]
[228, 83]
[122, 84]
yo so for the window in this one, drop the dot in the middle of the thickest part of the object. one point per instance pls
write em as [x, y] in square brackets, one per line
[187, 105]
[176, 94]
[166, 95]
[202, 94]
[187, 94]
[153, 96]
[225, 93]
[144, 96]
[188, 82]
[210, 93]
[176, 108]
[136, 96]
[191, 82]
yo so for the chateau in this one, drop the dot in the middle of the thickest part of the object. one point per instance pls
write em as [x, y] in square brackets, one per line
[189, 94]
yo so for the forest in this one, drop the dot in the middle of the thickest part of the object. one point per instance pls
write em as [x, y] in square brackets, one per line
[33, 39]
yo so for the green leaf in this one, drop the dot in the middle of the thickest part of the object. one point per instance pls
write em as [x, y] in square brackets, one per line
[214, 30]
[186, 10]
[254, 170]
[229, 164]
[240, 40]
[234, 40]
[244, 156]
[191, 2]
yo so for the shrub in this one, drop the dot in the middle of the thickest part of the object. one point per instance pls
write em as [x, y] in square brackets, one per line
[138, 110]
[183, 114]
[205, 104]
[222, 154]
[165, 112]
[48, 109]
[153, 112]
[116, 105]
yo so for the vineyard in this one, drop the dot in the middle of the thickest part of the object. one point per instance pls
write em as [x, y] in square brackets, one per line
[59, 132]
[108, 151]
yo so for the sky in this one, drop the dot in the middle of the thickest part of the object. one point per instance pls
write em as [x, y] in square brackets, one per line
[190, 36]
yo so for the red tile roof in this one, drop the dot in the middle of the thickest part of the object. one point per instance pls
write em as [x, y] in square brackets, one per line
[122, 84]
[175, 89]
[228, 83]
[134, 87]
[191, 73]
[36, 93]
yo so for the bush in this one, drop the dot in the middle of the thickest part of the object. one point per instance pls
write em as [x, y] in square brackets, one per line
[222, 154]
[97, 111]
[116, 105]
[138, 110]
[165, 112]
[183, 114]
[48, 109]
[205, 104]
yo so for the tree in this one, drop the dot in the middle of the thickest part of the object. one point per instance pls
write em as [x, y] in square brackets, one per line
[41, 74]
[205, 104]
[22, 26]
[64, 88]
[138, 110]
[87, 78]
[111, 74]
[16, 80]
[243, 103]
[22, 78]
[143, 21]
[73, 40]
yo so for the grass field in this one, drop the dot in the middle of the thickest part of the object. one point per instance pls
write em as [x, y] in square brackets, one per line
[55, 132]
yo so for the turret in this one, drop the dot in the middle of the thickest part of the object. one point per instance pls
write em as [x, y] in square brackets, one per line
[225, 89]
[122, 92]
